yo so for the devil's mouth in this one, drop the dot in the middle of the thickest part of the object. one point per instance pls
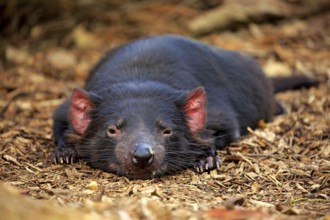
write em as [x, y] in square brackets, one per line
[137, 173]
[148, 173]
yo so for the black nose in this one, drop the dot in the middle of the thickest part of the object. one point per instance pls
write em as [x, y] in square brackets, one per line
[143, 156]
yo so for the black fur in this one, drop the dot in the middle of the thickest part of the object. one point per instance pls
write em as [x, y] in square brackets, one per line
[143, 86]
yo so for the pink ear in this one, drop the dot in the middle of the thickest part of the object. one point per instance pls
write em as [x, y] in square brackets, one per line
[80, 107]
[195, 109]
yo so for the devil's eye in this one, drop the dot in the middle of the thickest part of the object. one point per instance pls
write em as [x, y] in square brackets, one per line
[113, 131]
[167, 132]
[164, 128]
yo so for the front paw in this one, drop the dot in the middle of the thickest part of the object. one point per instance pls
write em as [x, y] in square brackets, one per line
[208, 163]
[64, 155]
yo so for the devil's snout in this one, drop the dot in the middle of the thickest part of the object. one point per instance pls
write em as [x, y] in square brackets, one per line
[143, 155]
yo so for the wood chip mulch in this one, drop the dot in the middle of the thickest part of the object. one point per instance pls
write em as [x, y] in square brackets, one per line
[279, 171]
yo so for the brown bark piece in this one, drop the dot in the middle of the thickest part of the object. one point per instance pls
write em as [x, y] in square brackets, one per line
[235, 12]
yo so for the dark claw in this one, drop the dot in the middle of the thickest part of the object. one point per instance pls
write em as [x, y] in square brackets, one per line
[208, 164]
[201, 166]
[206, 167]
[218, 161]
[64, 155]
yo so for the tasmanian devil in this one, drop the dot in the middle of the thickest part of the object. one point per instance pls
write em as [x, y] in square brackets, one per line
[161, 104]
